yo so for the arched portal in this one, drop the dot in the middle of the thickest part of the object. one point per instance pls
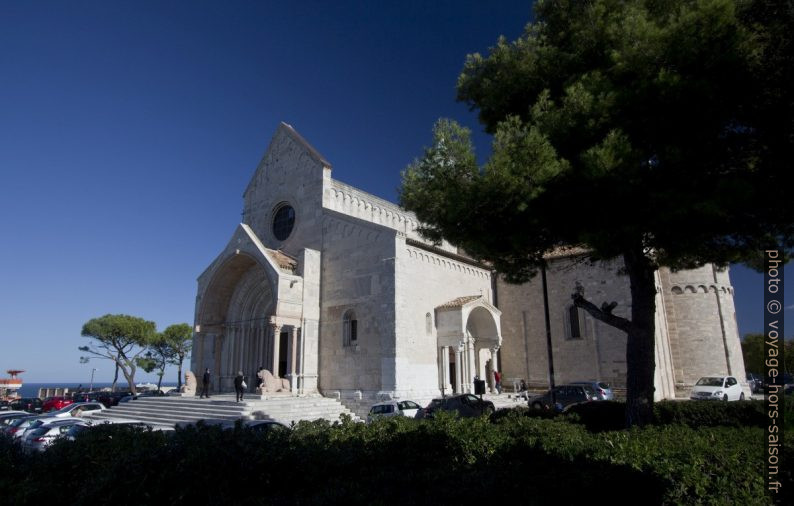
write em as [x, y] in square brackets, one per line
[233, 320]
[469, 337]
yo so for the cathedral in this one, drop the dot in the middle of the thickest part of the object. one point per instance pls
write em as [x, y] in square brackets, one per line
[334, 290]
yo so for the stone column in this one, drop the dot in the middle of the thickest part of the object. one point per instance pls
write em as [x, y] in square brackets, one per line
[459, 369]
[495, 366]
[472, 363]
[445, 369]
[275, 349]
[292, 355]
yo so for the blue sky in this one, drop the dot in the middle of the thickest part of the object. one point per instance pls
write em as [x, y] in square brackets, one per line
[129, 130]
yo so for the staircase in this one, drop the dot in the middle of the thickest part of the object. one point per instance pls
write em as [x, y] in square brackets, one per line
[173, 410]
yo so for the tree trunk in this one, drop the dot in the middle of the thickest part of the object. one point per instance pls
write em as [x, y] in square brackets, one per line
[115, 378]
[130, 377]
[160, 378]
[179, 375]
[640, 353]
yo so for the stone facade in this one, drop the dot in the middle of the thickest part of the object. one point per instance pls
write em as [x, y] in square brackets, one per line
[334, 290]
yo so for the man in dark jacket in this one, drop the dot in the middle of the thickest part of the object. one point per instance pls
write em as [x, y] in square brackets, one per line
[239, 385]
[205, 384]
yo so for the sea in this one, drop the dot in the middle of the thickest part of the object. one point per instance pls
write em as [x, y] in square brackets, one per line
[32, 389]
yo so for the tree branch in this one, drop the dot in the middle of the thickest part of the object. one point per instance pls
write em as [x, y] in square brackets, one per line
[603, 314]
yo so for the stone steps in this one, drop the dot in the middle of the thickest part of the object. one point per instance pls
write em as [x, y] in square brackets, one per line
[173, 410]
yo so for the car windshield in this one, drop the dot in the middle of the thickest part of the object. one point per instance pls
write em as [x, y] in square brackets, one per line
[603, 385]
[709, 382]
[18, 422]
[383, 408]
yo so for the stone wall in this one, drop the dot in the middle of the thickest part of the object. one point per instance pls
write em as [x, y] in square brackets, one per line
[357, 273]
[424, 280]
[704, 337]
[600, 353]
[292, 172]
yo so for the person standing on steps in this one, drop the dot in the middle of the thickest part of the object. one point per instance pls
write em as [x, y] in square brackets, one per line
[239, 385]
[205, 384]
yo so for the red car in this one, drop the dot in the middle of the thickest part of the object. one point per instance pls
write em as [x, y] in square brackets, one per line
[55, 403]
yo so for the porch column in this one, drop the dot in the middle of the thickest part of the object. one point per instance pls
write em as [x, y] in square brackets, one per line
[459, 369]
[292, 348]
[445, 369]
[275, 348]
[495, 366]
[470, 359]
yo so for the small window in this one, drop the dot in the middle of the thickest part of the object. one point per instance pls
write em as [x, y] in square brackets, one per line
[428, 324]
[574, 323]
[350, 328]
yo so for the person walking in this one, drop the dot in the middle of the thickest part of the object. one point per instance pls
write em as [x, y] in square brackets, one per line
[205, 384]
[259, 379]
[497, 379]
[239, 385]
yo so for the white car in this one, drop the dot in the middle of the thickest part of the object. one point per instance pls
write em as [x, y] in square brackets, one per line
[717, 388]
[77, 409]
[393, 408]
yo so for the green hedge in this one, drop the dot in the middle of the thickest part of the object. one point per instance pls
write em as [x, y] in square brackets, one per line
[611, 415]
[513, 458]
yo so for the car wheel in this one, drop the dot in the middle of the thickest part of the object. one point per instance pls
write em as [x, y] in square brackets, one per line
[741, 396]
[537, 405]
[488, 410]
[725, 398]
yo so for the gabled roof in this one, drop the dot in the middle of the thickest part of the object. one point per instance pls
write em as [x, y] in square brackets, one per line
[284, 261]
[304, 143]
[459, 302]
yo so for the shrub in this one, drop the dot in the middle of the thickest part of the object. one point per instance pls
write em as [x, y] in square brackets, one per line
[710, 413]
[396, 460]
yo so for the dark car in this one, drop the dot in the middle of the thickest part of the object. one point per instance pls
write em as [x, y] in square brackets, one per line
[465, 405]
[29, 404]
[755, 382]
[110, 399]
[564, 396]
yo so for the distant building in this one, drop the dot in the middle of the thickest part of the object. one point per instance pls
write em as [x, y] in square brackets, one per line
[333, 289]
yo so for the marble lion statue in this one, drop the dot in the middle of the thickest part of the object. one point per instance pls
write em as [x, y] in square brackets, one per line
[189, 388]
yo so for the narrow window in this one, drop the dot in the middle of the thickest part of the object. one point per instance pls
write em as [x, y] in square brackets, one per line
[428, 324]
[573, 320]
[350, 328]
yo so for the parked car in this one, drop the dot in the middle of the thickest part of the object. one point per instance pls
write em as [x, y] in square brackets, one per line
[601, 388]
[151, 393]
[17, 428]
[76, 430]
[29, 404]
[756, 383]
[465, 405]
[55, 403]
[717, 388]
[393, 408]
[255, 425]
[5, 405]
[77, 409]
[40, 438]
[110, 399]
[564, 396]
[8, 417]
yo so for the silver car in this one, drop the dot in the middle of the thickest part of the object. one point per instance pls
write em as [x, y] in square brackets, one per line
[40, 438]
[602, 389]
[393, 408]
